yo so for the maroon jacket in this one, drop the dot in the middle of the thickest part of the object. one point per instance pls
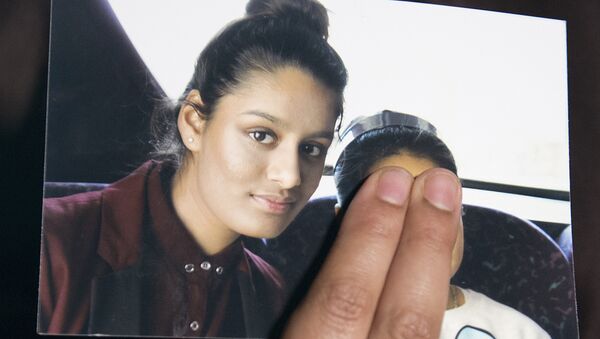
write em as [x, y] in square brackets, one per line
[91, 276]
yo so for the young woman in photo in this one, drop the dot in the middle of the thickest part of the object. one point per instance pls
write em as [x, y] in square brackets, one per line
[160, 251]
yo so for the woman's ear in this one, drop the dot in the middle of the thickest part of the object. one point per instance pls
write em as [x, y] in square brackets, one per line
[337, 208]
[190, 122]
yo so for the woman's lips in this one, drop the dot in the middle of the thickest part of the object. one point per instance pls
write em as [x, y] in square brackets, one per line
[273, 204]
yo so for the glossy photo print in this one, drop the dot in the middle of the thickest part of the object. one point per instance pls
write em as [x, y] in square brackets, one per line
[201, 154]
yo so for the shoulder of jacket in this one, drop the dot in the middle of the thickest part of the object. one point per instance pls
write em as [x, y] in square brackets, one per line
[66, 211]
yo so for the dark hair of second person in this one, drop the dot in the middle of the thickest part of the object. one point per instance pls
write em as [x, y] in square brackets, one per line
[362, 153]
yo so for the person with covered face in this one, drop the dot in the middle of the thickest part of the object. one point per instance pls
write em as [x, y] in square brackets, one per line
[390, 140]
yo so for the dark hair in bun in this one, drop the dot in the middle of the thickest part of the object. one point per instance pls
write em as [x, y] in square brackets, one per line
[273, 34]
[305, 12]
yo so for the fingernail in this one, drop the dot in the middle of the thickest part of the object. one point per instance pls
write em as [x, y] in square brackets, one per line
[441, 190]
[394, 186]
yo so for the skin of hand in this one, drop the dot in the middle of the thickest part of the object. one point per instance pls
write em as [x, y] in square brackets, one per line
[387, 274]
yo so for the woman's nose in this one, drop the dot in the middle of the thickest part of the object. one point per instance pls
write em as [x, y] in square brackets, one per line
[285, 167]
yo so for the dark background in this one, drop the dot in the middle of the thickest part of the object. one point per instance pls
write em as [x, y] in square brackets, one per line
[101, 96]
[24, 29]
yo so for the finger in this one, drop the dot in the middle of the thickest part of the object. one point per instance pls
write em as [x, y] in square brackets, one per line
[343, 298]
[415, 294]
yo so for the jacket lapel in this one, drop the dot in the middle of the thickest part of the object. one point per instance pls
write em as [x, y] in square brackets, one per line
[116, 298]
[123, 206]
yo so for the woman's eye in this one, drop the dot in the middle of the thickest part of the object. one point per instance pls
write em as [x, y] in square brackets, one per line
[263, 137]
[312, 150]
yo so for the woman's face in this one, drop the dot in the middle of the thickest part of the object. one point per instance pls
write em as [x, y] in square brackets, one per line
[260, 156]
[417, 165]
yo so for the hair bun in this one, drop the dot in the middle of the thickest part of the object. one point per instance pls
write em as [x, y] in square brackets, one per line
[308, 13]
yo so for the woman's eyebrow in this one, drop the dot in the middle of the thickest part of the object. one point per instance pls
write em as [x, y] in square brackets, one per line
[266, 116]
[322, 134]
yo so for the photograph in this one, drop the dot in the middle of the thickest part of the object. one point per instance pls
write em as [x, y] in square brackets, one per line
[202, 158]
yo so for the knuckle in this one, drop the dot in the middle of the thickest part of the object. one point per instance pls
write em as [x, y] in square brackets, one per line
[435, 239]
[380, 227]
[345, 303]
[408, 324]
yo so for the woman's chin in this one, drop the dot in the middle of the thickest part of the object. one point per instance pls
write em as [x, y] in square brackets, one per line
[263, 231]
[264, 225]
